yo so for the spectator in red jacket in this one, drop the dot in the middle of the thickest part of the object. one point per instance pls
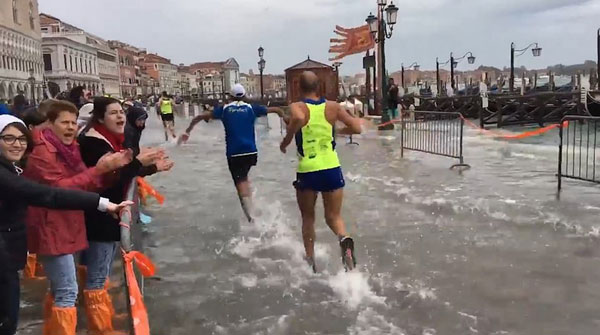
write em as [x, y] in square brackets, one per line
[56, 235]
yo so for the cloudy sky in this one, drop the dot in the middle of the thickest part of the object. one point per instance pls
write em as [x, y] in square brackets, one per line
[188, 31]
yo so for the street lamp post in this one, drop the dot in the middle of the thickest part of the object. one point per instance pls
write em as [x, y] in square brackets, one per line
[379, 29]
[336, 66]
[414, 65]
[261, 68]
[31, 80]
[437, 74]
[454, 63]
[537, 51]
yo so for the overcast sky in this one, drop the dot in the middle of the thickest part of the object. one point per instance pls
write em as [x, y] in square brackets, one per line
[188, 31]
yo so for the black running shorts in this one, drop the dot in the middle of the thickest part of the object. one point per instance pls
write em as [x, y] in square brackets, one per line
[168, 117]
[240, 166]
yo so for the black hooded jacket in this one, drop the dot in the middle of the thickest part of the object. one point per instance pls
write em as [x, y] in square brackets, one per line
[133, 135]
[16, 193]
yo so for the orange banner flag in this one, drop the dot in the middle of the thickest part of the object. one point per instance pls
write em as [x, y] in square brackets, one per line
[353, 41]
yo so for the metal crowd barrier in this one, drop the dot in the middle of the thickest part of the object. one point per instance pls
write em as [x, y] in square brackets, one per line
[436, 133]
[577, 149]
[129, 219]
[130, 232]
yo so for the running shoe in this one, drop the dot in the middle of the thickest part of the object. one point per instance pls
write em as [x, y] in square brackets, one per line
[347, 247]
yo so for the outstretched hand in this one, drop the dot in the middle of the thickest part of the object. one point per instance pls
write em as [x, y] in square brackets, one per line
[164, 164]
[149, 156]
[115, 209]
[283, 147]
[114, 161]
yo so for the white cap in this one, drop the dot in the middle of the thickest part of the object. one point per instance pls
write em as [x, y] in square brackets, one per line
[238, 91]
[86, 109]
[6, 119]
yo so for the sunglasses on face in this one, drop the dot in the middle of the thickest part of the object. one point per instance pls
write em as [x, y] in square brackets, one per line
[10, 139]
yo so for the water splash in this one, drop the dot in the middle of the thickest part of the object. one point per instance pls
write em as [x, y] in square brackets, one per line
[369, 322]
[353, 289]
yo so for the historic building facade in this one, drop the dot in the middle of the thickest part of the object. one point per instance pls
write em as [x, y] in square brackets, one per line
[161, 71]
[21, 66]
[129, 68]
[68, 60]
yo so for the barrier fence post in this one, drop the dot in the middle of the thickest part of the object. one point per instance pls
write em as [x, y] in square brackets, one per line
[560, 151]
[462, 123]
[401, 135]
[128, 217]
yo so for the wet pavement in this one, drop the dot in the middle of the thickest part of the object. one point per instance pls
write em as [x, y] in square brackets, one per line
[487, 251]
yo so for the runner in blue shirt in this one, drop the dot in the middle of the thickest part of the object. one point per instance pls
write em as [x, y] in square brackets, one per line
[238, 118]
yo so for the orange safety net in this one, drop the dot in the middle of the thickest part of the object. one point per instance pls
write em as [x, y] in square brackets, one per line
[353, 41]
[139, 314]
[145, 190]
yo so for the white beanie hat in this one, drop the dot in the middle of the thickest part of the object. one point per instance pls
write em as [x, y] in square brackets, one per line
[6, 119]
[238, 91]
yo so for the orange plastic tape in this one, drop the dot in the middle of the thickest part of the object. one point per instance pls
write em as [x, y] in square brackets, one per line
[522, 135]
[145, 190]
[526, 134]
[143, 263]
[139, 313]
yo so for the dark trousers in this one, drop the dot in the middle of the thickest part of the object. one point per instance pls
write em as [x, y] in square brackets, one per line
[10, 292]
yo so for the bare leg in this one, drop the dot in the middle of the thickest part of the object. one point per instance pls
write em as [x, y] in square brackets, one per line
[166, 133]
[245, 194]
[171, 126]
[306, 203]
[332, 201]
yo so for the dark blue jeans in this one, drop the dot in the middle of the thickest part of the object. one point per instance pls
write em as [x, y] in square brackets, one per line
[10, 292]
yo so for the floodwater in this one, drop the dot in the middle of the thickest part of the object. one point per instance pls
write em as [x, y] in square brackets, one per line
[487, 251]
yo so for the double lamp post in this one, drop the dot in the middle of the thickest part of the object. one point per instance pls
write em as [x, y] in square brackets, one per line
[379, 30]
[514, 53]
[453, 64]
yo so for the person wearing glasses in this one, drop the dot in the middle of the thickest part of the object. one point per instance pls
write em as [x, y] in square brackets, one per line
[16, 194]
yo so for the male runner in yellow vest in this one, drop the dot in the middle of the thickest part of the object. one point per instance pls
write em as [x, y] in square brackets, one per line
[319, 171]
[165, 104]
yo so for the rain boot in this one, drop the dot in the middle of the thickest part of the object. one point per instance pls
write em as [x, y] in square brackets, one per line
[48, 303]
[29, 271]
[63, 321]
[98, 309]
[108, 285]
